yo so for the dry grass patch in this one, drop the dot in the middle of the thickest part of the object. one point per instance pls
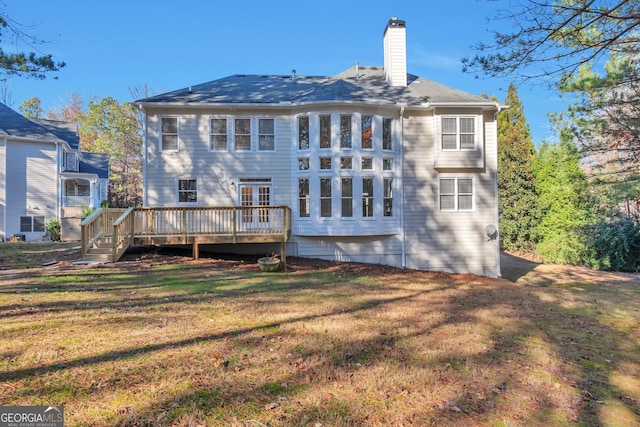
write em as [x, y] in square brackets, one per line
[159, 340]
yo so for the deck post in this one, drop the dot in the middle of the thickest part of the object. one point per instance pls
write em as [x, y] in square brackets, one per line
[234, 230]
[196, 248]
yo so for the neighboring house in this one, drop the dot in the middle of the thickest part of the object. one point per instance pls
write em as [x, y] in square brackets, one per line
[377, 165]
[44, 175]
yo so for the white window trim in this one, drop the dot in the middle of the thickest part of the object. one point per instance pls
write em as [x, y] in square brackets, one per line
[257, 132]
[476, 135]
[177, 184]
[297, 134]
[373, 133]
[160, 133]
[456, 194]
[227, 118]
[251, 133]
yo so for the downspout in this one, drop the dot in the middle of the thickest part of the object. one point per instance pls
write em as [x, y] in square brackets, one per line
[58, 181]
[144, 155]
[402, 226]
[495, 121]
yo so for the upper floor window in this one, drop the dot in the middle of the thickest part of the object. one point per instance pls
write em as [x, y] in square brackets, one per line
[345, 131]
[458, 133]
[187, 191]
[367, 132]
[386, 133]
[243, 134]
[325, 131]
[303, 197]
[218, 134]
[169, 133]
[456, 194]
[266, 134]
[303, 133]
[303, 164]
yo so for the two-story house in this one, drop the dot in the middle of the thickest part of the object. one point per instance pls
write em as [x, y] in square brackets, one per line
[44, 176]
[377, 165]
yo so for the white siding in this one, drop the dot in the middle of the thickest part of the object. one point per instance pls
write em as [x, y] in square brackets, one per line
[448, 241]
[385, 250]
[214, 170]
[3, 193]
[31, 180]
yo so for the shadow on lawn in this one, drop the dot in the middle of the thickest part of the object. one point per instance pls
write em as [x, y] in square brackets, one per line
[586, 352]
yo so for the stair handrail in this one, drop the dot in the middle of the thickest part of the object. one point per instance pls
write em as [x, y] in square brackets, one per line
[122, 234]
[89, 233]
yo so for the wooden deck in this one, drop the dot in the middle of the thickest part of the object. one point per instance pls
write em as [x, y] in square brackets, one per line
[107, 233]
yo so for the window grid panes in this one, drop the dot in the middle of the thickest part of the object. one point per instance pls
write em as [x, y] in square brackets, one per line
[347, 197]
[325, 163]
[367, 197]
[345, 131]
[387, 164]
[367, 163]
[169, 132]
[325, 197]
[388, 196]
[187, 191]
[346, 162]
[303, 133]
[367, 132]
[303, 164]
[266, 134]
[325, 131]
[32, 224]
[218, 136]
[303, 198]
[458, 133]
[386, 134]
[456, 194]
[243, 134]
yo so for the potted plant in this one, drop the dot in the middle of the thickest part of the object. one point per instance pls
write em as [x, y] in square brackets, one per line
[269, 263]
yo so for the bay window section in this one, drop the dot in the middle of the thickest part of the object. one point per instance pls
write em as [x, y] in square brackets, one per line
[325, 131]
[218, 134]
[303, 198]
[169, 134]
[325, 198]
[303, 133]
[367, 197]
[347, 197]
[366, 132]
[266, 134]
[243, 134]
[345, 131]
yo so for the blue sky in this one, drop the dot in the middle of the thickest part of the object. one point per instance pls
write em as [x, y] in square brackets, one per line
[112, 46]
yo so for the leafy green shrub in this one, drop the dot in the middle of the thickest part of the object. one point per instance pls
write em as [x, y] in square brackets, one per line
[617, 244]
[53, 227]
[573, 247]
[86, 211]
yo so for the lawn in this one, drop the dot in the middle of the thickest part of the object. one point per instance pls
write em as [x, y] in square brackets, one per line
[165, 340]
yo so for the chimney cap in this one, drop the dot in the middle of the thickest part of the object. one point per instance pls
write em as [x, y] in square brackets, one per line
[394, 22]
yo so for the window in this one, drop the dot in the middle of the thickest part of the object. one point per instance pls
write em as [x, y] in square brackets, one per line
[456, 194]
[347, 197]
[367, 163]
[346, 162]
[367, 197]
[169, 133]
[386, 134]
[325, 163]
[367, 132]
[243, 134]
[325, 197]
[458, 133]
[266, 134]
[303, 164]
[388, 196]
[187, 191]
[303, 197]
[325, 131]
[218, 134]
[345, 131]
[387, 164]
[303, 133]
[32, 224]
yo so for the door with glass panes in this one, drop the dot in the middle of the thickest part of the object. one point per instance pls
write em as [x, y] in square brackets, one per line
[252, 197]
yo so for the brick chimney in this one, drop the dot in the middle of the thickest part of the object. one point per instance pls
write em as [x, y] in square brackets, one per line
[395, 52]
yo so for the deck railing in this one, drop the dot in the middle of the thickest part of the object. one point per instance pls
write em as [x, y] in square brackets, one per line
[184, 223]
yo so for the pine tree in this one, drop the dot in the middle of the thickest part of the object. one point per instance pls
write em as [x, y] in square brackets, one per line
[517, 197]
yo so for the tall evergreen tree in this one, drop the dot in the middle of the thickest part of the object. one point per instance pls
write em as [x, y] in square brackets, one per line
[31, 108]
[517, 197]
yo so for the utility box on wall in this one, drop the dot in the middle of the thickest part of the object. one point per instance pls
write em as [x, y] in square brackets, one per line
[70, 224]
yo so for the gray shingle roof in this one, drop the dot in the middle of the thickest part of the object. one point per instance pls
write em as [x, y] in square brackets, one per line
[16, 125]
[97, 163]
[67, 131]
[369, 87]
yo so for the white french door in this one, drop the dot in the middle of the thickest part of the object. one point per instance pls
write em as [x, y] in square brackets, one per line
[253, 196]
